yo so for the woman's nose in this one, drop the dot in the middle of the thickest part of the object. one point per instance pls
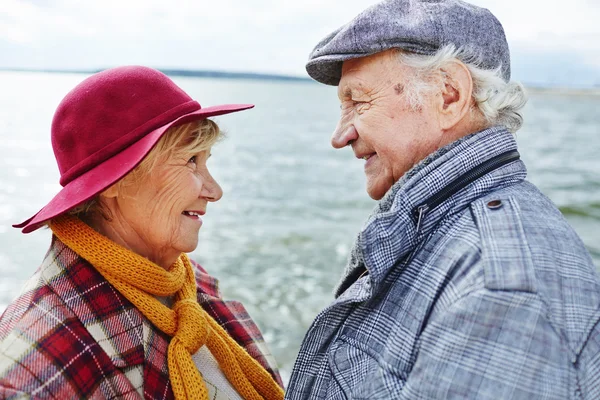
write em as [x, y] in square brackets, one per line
[211, 190]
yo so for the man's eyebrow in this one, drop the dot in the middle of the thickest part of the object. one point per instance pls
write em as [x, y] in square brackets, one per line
[346, 92]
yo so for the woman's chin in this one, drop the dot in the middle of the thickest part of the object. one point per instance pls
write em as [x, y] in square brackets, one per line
[188, 246]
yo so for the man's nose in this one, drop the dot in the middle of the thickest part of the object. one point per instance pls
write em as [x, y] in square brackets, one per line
[343, 135]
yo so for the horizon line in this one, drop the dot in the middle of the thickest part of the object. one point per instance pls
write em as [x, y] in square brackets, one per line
[210, 73]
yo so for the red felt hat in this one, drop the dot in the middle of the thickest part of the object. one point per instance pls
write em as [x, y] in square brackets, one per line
[107, 124]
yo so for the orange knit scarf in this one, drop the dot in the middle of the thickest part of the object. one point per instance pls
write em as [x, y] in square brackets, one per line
[140, 281]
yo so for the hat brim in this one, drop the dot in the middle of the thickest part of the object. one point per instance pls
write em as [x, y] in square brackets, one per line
[99, 178]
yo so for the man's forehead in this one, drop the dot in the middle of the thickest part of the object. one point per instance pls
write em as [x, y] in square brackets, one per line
[357, 73]
[350, 81]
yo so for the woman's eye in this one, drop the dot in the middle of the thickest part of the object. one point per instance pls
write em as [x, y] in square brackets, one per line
[192, 160]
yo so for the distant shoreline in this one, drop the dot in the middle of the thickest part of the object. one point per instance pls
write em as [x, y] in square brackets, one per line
[572, 91]
[531, 88]
[181, 72]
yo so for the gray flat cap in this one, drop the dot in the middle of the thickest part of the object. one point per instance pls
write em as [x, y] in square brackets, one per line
[419, 26]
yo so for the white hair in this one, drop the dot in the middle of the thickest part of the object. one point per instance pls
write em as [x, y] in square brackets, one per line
[499, 102]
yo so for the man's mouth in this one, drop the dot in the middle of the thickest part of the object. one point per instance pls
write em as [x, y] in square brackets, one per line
[367, 156]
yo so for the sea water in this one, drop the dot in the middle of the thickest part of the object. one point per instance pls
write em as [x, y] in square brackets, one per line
[279, 238]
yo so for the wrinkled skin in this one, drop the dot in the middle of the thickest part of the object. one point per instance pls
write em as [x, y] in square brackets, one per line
[379, 123]
[149, 216]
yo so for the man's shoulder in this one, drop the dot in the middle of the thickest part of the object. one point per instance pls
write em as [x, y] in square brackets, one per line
[533, 210]
[515, 239]
[527, 245]
[515, 235]
[519, 227]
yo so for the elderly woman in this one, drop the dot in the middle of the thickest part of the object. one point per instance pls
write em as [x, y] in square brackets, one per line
[117, 310]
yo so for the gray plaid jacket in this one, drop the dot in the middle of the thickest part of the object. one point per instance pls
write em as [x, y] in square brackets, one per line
[479, 292]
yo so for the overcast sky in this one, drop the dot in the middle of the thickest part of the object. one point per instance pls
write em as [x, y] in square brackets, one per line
[552, 42]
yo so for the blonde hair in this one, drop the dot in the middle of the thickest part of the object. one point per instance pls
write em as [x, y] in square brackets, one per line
[499, 102]
[190, 138]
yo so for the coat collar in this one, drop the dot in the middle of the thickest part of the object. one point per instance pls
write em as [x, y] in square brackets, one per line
[376, 253]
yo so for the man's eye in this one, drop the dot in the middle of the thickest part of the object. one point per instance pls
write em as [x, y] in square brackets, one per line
[361, 106]
[359, 102]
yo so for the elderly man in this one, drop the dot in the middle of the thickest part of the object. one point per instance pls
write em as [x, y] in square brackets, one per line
[465, 282]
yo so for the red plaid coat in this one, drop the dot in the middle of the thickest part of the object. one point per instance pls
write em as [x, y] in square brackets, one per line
[72, 335]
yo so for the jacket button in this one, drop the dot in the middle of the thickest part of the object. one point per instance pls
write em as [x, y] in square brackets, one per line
[494, 204]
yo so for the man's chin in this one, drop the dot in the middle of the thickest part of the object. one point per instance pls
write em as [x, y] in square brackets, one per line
[376, 192]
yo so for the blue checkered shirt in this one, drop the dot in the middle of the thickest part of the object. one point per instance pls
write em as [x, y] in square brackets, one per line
[494, 296]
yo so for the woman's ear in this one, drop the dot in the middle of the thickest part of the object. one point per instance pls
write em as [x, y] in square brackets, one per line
[109, 193]
[456, 93]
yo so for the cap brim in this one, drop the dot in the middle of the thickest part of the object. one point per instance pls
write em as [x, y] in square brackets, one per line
[328, 69]
[96, 180]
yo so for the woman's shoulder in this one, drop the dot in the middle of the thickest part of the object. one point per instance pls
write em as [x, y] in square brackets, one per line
[64, 321]
[37, 309]
[208, 285]
[35, 333]
[33, 313]
[234, 318]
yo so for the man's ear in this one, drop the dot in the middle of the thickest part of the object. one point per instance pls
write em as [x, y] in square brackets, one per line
[456, 92]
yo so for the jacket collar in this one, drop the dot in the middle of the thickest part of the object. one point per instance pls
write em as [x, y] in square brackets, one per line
[376, 253]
